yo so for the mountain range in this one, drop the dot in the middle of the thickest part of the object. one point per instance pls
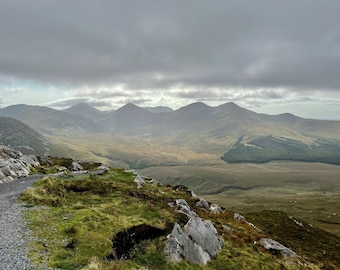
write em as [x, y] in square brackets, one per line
[228, 131]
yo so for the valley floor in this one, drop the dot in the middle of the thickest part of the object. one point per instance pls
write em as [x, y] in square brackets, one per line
[310, 191]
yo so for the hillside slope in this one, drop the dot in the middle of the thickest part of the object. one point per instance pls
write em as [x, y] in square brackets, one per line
[16, 134]
[121, 220]
[48, 120]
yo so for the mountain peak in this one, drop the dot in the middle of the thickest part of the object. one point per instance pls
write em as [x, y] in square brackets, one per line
[83, 105]
[130, 107]
[84, 110]
[197, 106]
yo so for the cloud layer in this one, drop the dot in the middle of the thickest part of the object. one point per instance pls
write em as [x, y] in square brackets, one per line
[149, 50]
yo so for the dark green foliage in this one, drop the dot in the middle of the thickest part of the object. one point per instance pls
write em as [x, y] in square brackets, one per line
[270, 148]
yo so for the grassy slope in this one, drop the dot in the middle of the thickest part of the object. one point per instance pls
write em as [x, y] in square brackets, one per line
[80, 216]
[127, 152]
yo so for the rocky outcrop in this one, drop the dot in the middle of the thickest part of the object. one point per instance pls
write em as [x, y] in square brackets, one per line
[277, 248]
[197, 242]
[13, 164]
[213, 208]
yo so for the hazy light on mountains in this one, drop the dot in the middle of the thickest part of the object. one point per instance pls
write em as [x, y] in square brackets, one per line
[268, 56]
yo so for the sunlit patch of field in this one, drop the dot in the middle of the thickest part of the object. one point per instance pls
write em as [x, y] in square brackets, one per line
[128, 152]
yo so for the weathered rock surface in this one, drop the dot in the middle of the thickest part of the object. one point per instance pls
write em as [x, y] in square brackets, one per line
[276, 247]
[197, 242]
[213, 208]
[76, 166]
[140, 181]
[184, 208]
[14, 164]
[179, 246]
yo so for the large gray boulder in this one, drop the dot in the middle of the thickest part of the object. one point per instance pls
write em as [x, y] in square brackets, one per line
[179, 246]
[13, 164]
[197, 242]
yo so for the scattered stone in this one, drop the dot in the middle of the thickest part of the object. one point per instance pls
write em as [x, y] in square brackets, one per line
[215, 209]
[104, 168]
[227, 228]
[240, 217]
[298, 223]
[277, 248]
[193, 194]
[140, 181]
[243, 219]
[171, 204]
[184, 208]
[76, 166]
[154, 182]
[203, 204]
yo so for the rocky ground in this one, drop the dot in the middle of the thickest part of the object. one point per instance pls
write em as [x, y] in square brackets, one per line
[13, 230]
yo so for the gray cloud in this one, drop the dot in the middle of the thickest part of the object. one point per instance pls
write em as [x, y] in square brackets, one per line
[68, 102]
[160, 44]
[275, 56]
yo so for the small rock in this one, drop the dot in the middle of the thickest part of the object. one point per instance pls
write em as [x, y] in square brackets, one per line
[140, 181]
[76, 166]
[104, 168]
[185, 208]
[215, 209]
[203, 203]
[226, 228]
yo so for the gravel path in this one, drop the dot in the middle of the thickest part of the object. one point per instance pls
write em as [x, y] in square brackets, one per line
[13, 251]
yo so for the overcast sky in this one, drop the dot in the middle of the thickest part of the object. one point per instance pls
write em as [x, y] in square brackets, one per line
[266, 55]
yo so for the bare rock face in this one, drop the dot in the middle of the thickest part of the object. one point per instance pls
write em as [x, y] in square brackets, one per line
[197, 242]
[14, 164]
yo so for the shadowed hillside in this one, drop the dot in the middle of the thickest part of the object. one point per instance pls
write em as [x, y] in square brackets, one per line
[16, 134]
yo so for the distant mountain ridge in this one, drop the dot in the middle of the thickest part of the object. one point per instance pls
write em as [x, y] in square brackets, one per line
[197, 127]
[46, 119]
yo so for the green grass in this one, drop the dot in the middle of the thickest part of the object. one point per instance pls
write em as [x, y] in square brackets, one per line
[75, 219]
